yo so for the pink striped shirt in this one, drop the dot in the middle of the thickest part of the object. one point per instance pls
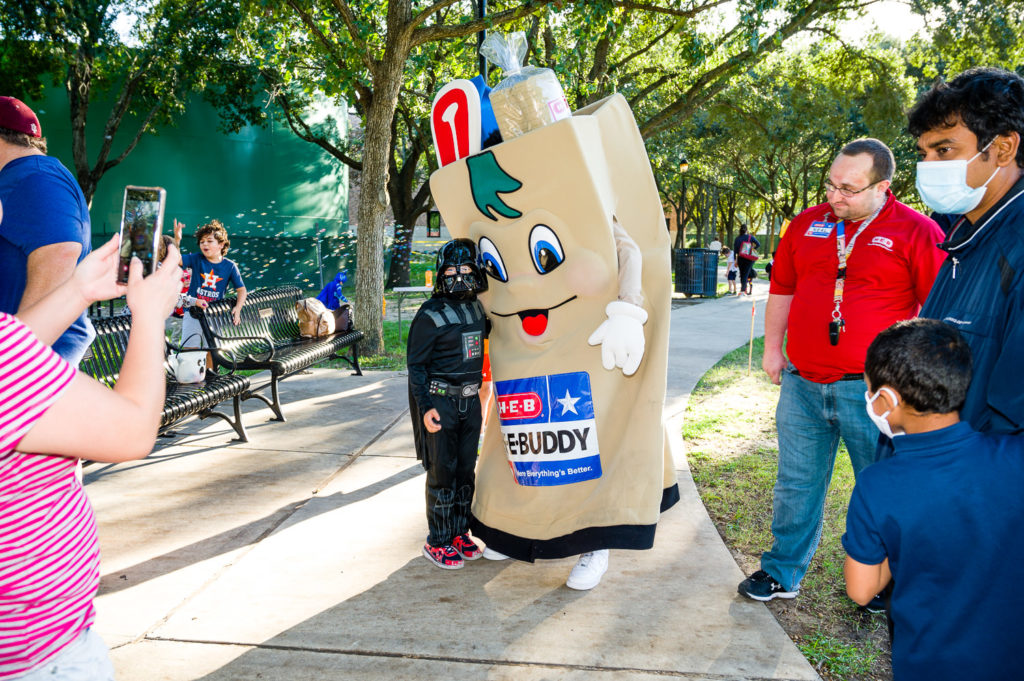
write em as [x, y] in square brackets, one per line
[49, 553]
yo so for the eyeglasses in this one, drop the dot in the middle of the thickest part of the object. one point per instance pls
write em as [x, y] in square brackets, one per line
[829, 187]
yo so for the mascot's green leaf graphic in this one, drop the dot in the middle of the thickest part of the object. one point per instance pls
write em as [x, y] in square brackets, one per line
[486, 181]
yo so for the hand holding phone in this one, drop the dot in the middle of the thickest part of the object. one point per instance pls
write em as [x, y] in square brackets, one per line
[142, 221]
[155, 296]
[92, 276]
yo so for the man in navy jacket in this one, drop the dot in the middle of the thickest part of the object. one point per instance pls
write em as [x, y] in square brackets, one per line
[971, 174]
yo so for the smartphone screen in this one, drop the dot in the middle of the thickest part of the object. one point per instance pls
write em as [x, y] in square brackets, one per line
[142, 221]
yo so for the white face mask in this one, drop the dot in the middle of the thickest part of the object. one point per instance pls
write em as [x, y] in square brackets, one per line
[881, 421]
[943, 185]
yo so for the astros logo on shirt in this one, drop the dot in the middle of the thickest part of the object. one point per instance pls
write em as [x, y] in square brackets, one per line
[210, 279]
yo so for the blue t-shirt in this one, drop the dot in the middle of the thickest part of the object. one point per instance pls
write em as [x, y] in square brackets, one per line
[947, 512]
[210, 280]
[42, 205]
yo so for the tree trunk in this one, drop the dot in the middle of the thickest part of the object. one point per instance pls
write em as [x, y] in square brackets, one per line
[78, 85]
[373, 197]
[406, 207]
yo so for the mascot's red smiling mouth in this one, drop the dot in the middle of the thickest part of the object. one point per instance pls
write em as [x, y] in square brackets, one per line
[535, 321]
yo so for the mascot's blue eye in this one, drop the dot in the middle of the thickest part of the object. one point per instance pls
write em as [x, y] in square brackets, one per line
[490, 260]
[545, 249]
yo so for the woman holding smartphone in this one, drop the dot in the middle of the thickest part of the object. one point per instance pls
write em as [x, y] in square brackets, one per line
[51, 415]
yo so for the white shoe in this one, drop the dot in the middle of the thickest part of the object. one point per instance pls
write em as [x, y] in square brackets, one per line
[491, 554]
[588, 570]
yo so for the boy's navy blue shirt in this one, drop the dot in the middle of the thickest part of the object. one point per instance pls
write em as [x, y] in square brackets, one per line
[980, 291]
[43, 205]
[210, 280]
[946, 510]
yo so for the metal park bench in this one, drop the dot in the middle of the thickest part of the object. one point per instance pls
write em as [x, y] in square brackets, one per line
[268, 339]
[106, 355]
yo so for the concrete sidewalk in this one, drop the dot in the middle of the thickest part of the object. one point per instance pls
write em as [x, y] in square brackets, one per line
[297, 556]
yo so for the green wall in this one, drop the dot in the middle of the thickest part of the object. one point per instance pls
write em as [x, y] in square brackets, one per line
[277, 195]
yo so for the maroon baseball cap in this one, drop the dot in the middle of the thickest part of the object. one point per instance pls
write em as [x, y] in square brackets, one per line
[15, 115]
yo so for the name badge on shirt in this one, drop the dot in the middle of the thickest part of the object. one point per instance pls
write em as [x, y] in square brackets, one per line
[820, 230]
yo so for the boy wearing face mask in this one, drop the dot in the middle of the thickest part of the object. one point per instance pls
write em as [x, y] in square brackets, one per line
[942, 517]
[972, 175]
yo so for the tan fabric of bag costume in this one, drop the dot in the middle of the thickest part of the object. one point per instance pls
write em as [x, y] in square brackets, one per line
[575, 175]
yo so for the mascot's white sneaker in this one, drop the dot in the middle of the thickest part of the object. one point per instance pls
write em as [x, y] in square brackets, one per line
[491, 554]
[588, 571]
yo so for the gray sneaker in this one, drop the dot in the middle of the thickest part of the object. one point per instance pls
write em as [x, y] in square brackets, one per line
[761, 586]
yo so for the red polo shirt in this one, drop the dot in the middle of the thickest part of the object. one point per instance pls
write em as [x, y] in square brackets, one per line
[888, 275]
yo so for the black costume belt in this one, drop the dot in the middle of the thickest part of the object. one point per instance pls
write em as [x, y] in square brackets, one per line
[439, 387]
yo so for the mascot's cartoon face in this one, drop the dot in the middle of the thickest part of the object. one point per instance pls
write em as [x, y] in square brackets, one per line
[540, 269]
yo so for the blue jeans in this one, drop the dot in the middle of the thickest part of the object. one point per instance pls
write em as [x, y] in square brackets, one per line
[811, 417]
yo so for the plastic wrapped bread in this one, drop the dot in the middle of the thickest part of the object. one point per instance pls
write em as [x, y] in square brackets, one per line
[529, 97]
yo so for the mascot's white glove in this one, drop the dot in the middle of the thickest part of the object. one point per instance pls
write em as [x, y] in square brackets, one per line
[621, 336]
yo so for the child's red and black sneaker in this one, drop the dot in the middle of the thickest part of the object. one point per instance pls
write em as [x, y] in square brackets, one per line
[466, 547]
[444, 557]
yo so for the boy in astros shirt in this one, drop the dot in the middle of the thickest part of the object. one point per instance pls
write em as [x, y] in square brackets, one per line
[211, 274]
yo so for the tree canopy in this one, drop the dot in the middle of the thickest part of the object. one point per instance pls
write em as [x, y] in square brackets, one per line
[758, 95]
[170, 52]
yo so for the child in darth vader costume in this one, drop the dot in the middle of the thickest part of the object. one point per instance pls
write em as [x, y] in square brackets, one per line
[445, 357]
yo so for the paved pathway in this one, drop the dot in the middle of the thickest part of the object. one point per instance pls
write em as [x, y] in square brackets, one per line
[297, 557]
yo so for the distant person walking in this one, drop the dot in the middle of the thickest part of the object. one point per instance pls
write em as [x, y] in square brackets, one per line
[745, 247]
[730, 269]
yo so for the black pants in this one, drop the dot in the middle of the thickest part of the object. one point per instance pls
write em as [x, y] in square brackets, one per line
[744, 266]
[451, 474]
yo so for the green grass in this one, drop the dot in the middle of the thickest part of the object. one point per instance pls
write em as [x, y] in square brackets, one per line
[418, 270]
[702, 426]
[838, 657]
[393, 357]
[733, 453]
[733, 367]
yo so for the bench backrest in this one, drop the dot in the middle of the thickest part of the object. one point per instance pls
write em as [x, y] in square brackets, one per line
[267, 313]
[106, 353]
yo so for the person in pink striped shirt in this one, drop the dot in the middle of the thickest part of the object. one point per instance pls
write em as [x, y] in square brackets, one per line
[50, 416]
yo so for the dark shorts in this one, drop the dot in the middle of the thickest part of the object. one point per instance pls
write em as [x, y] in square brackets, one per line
[732, 275]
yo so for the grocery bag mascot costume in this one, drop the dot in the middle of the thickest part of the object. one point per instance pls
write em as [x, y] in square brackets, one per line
[572, 238]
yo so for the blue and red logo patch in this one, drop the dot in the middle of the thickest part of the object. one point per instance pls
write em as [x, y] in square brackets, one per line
[548, 426]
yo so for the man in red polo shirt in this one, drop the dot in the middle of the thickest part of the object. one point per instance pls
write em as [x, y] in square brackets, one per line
[844, 271]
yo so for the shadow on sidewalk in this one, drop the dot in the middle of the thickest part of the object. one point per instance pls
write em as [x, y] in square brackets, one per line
[249, 534]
